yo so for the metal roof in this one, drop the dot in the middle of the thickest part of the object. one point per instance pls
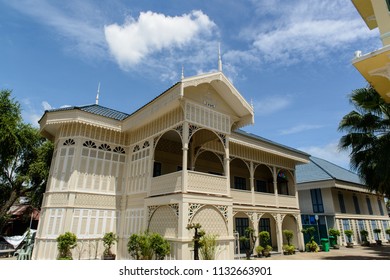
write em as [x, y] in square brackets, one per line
[320, 170]
[97, 110]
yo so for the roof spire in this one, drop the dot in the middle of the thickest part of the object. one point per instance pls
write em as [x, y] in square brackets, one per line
[219, 58]
[97, 95]
[182, 72]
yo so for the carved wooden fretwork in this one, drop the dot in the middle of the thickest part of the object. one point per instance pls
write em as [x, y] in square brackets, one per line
[105, 147]
[192, 209]
[224, 211]
[119, 150]
[175, 208]
[223, 138]
[191, 130]
[136, 148]
[252, 217]
[146, 144]
[89, 144]
[69, 142]
[151, 210]
[179, 130]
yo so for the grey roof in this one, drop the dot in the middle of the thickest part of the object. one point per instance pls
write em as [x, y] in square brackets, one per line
[97, 110]
[320, 170]
[256, 137]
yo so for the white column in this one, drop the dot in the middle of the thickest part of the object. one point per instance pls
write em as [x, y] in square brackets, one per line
[185, 158]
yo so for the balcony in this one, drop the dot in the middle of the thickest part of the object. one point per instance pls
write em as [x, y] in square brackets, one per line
[263, 199]
[197, 183]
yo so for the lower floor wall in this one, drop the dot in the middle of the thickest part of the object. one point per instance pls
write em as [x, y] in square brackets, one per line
[168, 216]
[322, 224]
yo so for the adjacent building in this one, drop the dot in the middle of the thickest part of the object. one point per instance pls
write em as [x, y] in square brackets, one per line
[333, 197]
[179, 159]
[375, 66]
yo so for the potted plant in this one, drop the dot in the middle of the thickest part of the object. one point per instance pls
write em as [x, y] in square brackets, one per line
[388, 234]
[349, 234]
[109, 240]
[364, 235]
[66, 242]
[288, 248]
[250, 240]
[264, 238]
[377, 231]
[333, 235]
[259, 250]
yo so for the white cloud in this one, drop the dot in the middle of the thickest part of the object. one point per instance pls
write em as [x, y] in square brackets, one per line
[153, 32]
[46, 105]
[77, 21]
[299, 128]
[271, 105]
[306, 30]
[329, 152]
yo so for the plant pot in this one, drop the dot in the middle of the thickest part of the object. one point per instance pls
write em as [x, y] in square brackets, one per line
[349, 245]
[109, 257]
[366, 243]
[266, 254]
[336, 246]
[378, 242]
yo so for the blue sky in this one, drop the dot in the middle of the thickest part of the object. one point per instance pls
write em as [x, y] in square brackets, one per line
[291, 59]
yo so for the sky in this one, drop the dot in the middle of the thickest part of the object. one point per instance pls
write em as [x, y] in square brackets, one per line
[290, 59]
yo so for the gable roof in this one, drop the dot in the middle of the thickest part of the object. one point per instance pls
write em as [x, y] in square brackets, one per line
[321, 170]
[97, 110]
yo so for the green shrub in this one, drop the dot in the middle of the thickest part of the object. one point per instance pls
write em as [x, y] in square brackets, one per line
[66, 242]
[148, 246]
[289, 234]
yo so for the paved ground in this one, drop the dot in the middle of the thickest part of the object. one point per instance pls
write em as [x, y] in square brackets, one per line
[358, 252]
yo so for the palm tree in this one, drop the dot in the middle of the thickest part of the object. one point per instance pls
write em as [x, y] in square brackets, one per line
[368, 138]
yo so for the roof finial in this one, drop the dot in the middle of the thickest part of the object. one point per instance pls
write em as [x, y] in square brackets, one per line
[97, 95]
[219, 58]
[182, 72]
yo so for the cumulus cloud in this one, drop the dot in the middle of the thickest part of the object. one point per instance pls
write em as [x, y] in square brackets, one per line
[153, 32]
[46, 105]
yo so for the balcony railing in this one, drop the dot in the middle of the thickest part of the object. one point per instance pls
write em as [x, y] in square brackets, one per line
[197, 182]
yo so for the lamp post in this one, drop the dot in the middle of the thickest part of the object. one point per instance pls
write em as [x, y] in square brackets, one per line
[318, 228]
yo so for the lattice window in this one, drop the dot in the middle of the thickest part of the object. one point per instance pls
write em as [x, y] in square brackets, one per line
[89, 144]
[119, 150]
[105, 147]
[69, 142]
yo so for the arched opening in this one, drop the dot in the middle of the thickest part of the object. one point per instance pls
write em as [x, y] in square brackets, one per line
[168, 154]
[267, 223]
[290, 223]
[264, 181]
[239, 175]
[285, 183]
[209, 162]
[241, 222]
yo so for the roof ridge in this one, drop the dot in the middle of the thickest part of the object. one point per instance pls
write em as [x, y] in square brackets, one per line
[319, 166]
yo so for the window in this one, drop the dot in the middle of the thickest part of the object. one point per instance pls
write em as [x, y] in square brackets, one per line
[346, 224]
[239, 183]
[282, 183]
[156, 169]
[342, 204]
[356, 203]
[388, 4]
[241, 225]
[316, 199]
[380, 207]
[369, 205]
[261, 186]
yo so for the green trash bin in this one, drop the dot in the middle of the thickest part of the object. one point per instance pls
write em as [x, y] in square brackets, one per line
[325, 244]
